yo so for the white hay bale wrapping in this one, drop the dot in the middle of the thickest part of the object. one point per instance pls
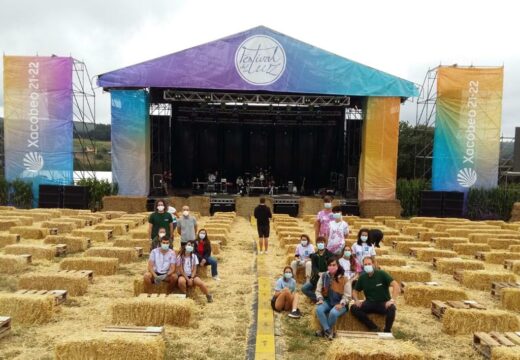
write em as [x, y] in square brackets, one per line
[422, 295]
[450, 265]
[405, 274]
[482, 279]
[125, 255]
[99, 265]
[27, 309]
[468, 321]
[12, 264]
[74, 243]
[75, 284]
[38, 252]
[373, 349]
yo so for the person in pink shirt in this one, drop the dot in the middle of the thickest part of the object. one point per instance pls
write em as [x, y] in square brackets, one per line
[338, 230]
[324, 217]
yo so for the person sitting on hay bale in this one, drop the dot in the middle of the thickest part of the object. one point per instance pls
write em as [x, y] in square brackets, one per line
[186, 226]
[203, 252]
[324, 217]
[348, 263]
[187, 263]
[363, 248]
[338, 230]
[162, 265]
[374, 284]
[333, 291]
[376, 237]
[318, 266]
[285, 296]
[156, 241]
[302, 254]
[160, 218]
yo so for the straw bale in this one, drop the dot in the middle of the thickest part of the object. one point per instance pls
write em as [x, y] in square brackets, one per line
[290, 249]
[24, 220]
[286, 240]
[12, 264]
[514, 248]
[505, 353]
[153, 311]
[219, 237]
[348, 322]
[38, 252]
[93, 218]
[310, 205]
[215, 247]
[140, 218]
[27, 309]
[69, 212]
[405, 246]
[480, 238]
[8, 239]
[74, 243]
[448, 242]
[422, 295]
[383, 218]
[482, 279]
[33, 215]
[131, 223]
[117, 229]
[373, 349]
[6, 224]
[471, 248]
[110, 346]
[498, 257]
[127, 204]
[387, 231]
[414, 230]
[381, 251]
[371, 208]
[496, 243]
[400, 274]
[29, 232]
[125, 255]
[99, 265]
[54, 213]
[397, 224]
[429, 254]
[200, 204]
[144, 243]
[510, 298]
[468, 321]
[449, 265]
[63, 227]
[516, 267]
[140, 287]
[94, 235]
[514, 227]
[113, 214]
[427, 236]
[389, 261]
[75, 284]
[6, 207]
[138, 234]
[80, 223]
[399, 238]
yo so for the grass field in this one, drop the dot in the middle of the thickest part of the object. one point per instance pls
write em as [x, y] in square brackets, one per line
[100, 160]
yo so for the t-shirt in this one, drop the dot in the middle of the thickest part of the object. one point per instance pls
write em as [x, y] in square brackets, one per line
[345, 264]
[324, 217]
[304, 252]
[281, 284]
[337, 233]
[375, 287]
[159, 220]
[187, 262]
[187, 226]
[262, 215]
[162, 261]
[362, 251]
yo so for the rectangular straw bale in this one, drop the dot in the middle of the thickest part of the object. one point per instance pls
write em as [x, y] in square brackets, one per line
[429, 254]
[24, 220]
[12, 264]
[6, 224]
[219, 237]
[414, 230]
[211, 231]
[505, 353]
[427, 236]
[498, 257]
[449, 265]
[348, 322]
[470, 248]
[144, 243]
[400, 274]
[389, 261]
[99, 265]
[400, 238]
[132, 224]
[124, 254]
[480, 238]
[510, 299]
[93, 219]
[496, 243]
[286, 240]
[63, 227]
[138, 234]
[468, 321]
[8, 239]
[110, 346]
[75, 284]
[482, 279]
[516, 266]
[117, 229]
[373, 349]
[448, 242]
[38, 252]
[94, 235]
[140, 218]
[29, 232]
[27, 309]
[381, 250]
[422, 295]
[290, 249]
[405, 246]
[33, 215]
[140, 287]
[74, 243]
[514, 248]
[215, 247]
[153, 311]
[54, 213]
[80, 223]
[113, 214]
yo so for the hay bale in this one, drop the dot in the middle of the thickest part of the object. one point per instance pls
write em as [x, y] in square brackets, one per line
[289, 240]
[389, 261]
[422, 295]
[99, 265]
[429, 254]
[8, 239]
[516, 266]
[9, 223]
[140, 287]
[75, 284]
[348, 322]
[414, 230]
[381, 251]
[505, 353]
[29, 232]
[153, 311]
[38, 252]
[126, 204]
[219, 238]
[94, 235]
[132, 243]
[80, 223]
[405, 246]
[373, 349]
[24, 220]
[138, 234]
[482, 279]
[497, 243]
[510, 298]
[200, 204]
[400, 238]
[468, 321]
[448, 242]
[27, 309]
[400, 274]
[12, 264]
[111, 346]
[514, 248]
[112, 214]
[215, 247]
[450, 265]
[63, 227]
[371, 208]
[427, 236]
[74, 243]
[125, 255]
[117, 229]
[498, 257]
[470, 248]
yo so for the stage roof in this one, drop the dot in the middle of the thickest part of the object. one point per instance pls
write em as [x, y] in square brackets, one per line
[259, 60]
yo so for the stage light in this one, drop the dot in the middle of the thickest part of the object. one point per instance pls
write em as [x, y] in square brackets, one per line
[276, 99]
[240, 99]
[307, 100]
[336, 101]
[177, 96]
[207, 97]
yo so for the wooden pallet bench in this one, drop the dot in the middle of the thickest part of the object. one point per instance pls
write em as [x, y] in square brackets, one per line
[439, 307]
[177, 296]
[484, 342]
[27, 257]
[141, 330]
[365, 335]
[61, 250]
[496, 287]
[5, 326]
[508, 264]
[89, 274]
[428, 283]
[139, 251]
[480, 255]
[59, 295]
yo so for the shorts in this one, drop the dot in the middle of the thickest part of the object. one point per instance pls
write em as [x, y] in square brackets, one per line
[263, 230]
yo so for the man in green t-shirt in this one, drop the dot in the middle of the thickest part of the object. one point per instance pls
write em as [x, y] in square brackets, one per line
[160, 218]
[374, 284]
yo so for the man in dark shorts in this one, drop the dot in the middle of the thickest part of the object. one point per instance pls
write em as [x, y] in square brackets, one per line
[262, 215]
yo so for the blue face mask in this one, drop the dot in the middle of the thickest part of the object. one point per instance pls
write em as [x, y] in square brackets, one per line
[364, 238]
[320, 246]
[337, 216]
[347, 254]
[368, 268]
[287, 275]
[189, 248]
[327, 205]
[165, 246]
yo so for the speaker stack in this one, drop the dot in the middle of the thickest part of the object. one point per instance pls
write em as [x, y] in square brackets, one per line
[64, 196]
[442, 203]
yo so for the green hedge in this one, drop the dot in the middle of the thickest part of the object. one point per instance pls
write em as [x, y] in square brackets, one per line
[17, 193]
[496, 203]
[98, 189]
[409, 193]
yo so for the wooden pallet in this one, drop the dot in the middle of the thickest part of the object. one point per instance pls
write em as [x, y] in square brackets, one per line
[365, 335]
[27, 257]
[87, 273]
[428, 283]
[413, 252]
[480, 255]
[434, 262]
[5, 326]
[53, 231]
[139, 251]
[141, 330]
[496, 287]
[59, 295]
[458, 275]
[439, 307]
[61, 250]
[484, 342]
[169, 296]
[508, 264]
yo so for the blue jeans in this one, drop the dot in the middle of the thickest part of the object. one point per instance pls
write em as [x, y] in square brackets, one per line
[309, 290]
[210, 260]
[327, 322]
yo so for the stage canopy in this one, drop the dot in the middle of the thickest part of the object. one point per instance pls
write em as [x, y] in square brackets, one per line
[260, 59]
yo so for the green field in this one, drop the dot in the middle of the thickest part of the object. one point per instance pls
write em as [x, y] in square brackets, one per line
[98, 156]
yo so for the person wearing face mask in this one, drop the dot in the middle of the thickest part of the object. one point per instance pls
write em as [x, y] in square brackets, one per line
[187, 263]
[303, 256]
[160, 218]
[162, 265]
[285, 296]
[338, 230]
[374, 284]
[363, 248]
[348, 263]
[156, 241]
[318, 266]
[324, 217]
[203, 252]
[186, 226]
[333, 293]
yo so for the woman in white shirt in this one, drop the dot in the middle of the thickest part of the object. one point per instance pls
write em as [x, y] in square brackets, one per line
[363, 248]
[187, 263]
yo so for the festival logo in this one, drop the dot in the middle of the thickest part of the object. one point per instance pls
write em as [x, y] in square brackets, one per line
[467, 177]
[33, 161]
[260, 60]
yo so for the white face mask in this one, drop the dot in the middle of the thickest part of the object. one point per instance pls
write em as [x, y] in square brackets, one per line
[160, 207]
[189, 248]
[202, 235]
[364, 238]
[304, 242]
[185, 213]
[161, 234]
[327, 205]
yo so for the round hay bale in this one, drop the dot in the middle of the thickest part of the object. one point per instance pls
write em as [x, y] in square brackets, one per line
[27, 309]
[450, 265]
[468, 321]
[125, 255]
[510, 299]
[372, 349]
[99, 265]
[482, 279]
[12, 264]
[75, 284]
[470, 249]
[400, 274]
[422, 295]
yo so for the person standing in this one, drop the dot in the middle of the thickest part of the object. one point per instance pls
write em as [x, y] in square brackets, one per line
[324, 217]
[338, 230]
[160, 218]
[262, 215]
[186, 226]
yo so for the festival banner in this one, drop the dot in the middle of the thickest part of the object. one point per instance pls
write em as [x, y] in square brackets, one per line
[38, 120]
[378, 164]
[131, 141]
[467, 128]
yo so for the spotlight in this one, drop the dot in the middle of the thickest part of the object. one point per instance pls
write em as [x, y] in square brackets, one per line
[207, 97]
[336, 101]
[177, 96]
[307, 100]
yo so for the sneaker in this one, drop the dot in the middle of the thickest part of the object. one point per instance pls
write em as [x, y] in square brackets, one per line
[296, 314]
[320, 333]
[216, 278]
[261, 252]
[328, 334]
[209, 297]
[266, 252]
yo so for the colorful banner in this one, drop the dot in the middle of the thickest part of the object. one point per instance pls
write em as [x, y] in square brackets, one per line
[38, 120]
[131, 141]
[378, 164]
[467, 128]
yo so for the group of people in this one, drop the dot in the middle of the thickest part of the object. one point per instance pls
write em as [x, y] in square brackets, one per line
[178, 269]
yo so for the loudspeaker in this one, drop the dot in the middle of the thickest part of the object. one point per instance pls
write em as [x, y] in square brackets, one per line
[221, 208]
[350, 209]
[51, 196]
[453, 204]
[516, 156]
[75, 197]
[290, 209]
